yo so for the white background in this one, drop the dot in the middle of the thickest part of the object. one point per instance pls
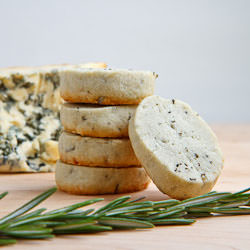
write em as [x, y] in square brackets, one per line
[200, 49]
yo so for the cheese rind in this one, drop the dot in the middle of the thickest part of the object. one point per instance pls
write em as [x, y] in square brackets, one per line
[96, 120]
[176, 147]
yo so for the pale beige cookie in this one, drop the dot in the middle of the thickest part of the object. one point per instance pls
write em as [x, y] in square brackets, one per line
[49, 82]
[97, 180]
[176, 147]
[95, 120]
[106, 86]
[90, 151]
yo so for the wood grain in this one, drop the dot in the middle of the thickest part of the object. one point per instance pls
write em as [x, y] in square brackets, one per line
[207, 233]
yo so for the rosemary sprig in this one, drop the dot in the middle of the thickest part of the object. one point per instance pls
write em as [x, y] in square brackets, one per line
[121, 213]
[37, 200]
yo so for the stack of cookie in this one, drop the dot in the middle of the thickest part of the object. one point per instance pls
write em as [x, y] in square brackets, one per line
[96, 156]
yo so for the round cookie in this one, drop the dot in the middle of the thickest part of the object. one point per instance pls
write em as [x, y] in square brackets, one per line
[176, 147]
[106, 86]
[95, 120]
[97, 180]
[90, 151]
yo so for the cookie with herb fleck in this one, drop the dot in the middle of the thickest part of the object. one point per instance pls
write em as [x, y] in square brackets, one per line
[96, 120]
[90, 151]
[97, 180]
[106, 86]
[49, 82]
[176, 147]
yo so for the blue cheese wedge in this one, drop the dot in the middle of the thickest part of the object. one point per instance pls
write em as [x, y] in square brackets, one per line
[28, 125]
[29, 117]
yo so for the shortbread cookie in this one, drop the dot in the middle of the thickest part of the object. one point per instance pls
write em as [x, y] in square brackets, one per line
[95, 120]
[29, 117]
[97, 180]
[49, 82]
[106, 86]
[90, 151]
[176, 147]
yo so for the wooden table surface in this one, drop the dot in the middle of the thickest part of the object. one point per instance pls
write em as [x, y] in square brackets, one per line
[207, 233]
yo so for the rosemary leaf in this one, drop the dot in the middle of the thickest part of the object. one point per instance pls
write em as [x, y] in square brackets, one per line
[79, 211]
[30, 215]
[84, 229]
[3, 194]
[178, 215]
[126, 211]
[136, 200]
[197, 215]
[72, 226]
[220, 210]
[235, 204]
[26, 207]
[34, 219]
[26, 231]
[38, 236]
[162, 215]
[242, 191]
[135, 204]
[48, 223]
[236, 211]
[24, 218]
[165, 203]
[4, 242]
[111, 205]
[240, 197]
[177, 221]
[73, 216]
[202, 200]
[75, 206]
[200, 209]
[123, 223]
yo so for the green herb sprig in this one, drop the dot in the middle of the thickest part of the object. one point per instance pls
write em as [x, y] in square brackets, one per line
[121, 213]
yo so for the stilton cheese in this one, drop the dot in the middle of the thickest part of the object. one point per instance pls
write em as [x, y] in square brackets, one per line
[29, 117]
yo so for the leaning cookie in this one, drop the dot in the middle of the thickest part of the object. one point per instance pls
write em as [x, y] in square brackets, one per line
[97, 180]
[95, 120]
[176, 147]
[106, 86]
[90, 151]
